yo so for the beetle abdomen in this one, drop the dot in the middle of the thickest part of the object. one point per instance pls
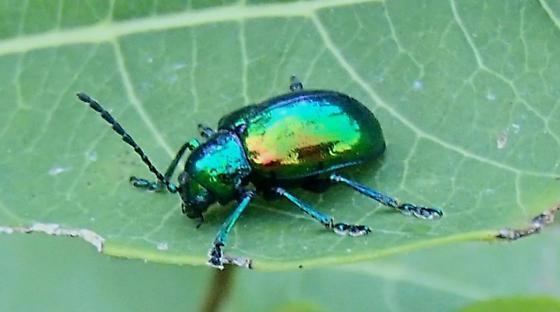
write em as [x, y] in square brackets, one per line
[305, 133]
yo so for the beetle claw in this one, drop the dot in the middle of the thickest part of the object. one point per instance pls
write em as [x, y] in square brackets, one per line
[152, 186]
[351, 229]
[216, 257]
[295, 84]
[421, 212]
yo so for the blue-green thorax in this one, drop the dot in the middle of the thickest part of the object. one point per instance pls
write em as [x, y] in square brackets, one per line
[213, 172]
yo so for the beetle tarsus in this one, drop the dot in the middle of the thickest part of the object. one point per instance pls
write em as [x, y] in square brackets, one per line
[420, 212]
[351, 229]
[295, 84]
[216, 257]
[153, 186]
[205, 131]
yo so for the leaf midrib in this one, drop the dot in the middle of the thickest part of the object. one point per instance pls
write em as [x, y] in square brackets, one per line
[109, 30]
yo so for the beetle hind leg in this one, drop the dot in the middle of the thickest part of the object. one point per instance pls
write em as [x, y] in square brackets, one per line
[327, 221]
[404, 208]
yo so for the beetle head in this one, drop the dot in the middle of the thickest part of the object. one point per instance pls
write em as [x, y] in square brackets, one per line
[196, 198]
[214, 172]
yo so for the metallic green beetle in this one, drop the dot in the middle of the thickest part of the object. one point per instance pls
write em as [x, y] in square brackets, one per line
[299, 139]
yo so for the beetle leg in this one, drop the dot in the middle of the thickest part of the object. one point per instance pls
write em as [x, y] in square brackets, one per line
[205, 131]
[405, 208]
[295, 84]
[217, 258]
[157, 186]
[327, 221]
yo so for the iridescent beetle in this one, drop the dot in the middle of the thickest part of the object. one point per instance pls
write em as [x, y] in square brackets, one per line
[299, 139]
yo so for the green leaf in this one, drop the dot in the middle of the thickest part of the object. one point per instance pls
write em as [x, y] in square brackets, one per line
[466, 94]
[68, 275]
[516, 304]
[444, 278]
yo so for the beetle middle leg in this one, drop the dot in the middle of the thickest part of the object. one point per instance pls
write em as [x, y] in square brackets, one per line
[157, 186]
[327, 221]
[405, 208]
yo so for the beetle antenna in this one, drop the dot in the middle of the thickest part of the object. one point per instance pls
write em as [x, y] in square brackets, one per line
[125, 137]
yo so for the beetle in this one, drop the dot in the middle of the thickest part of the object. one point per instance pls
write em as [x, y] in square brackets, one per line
[299, 139]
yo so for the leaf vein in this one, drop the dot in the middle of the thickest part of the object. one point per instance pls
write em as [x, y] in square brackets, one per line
[136, 104]
[383, 104]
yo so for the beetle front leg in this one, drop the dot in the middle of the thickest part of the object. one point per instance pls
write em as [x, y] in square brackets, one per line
[157, 186]
[217, 258]
[205, 131]
[404, 208]
[327, 221]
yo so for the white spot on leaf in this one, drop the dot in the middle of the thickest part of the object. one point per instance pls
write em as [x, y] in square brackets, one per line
[178, 66]
[417, 85]
[56, 170]
[91, 155]
[55, 229]
[6, 230]
[162, 246]
[501, 142]
[503, 137]
[490, 96]
[378, 78]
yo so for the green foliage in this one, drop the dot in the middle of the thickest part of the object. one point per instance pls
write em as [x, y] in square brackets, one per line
[466, 92]
[516, 304]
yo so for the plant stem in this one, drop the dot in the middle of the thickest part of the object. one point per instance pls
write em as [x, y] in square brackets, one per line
[219, 290]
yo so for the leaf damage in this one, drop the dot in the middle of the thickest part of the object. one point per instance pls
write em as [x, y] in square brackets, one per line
[535, 226]
[57, 230]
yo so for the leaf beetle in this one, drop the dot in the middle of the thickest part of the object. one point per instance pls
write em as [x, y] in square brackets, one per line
[299, 139]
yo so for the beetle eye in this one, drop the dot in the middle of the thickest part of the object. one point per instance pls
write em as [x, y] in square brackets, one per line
[183, 178]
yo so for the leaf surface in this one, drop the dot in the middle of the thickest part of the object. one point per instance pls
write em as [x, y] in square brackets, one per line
[466, 94]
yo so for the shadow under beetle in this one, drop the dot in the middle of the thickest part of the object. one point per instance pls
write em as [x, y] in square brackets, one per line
[299, 139]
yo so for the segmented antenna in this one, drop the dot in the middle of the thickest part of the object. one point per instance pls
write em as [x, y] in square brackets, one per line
[125, 136]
